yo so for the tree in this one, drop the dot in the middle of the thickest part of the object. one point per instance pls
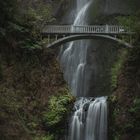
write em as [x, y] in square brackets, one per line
[7, 11]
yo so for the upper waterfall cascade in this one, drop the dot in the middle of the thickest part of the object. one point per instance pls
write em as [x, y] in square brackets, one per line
[73, 59]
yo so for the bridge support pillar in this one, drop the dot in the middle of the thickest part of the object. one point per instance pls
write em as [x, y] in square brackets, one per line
[63, 45]
[56, 37]
[130, 39]
[48, 39]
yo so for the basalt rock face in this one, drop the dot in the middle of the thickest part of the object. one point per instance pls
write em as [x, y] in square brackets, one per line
[109, 7]
[61, 9]
[98, 8]
[102, 54]
[103, 9]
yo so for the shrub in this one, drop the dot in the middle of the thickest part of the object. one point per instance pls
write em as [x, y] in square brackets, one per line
[48, 137]
[58, 108]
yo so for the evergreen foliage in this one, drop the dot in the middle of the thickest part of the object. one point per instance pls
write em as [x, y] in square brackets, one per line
[21, 22]
[131, 22]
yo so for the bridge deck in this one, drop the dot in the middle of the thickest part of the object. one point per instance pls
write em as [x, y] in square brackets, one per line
[96, 29]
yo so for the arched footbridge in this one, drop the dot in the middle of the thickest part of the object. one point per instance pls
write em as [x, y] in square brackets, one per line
[58, 35]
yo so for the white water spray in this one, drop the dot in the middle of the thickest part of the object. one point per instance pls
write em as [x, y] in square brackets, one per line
[89, 121]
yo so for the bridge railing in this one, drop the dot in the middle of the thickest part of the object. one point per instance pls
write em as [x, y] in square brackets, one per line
[100, 29]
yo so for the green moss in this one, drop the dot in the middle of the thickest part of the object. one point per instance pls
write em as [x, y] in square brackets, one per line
[116, 69]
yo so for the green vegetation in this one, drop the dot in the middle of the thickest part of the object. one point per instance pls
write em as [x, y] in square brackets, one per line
[129, 117]
[132, 23]
[29, 78]
[48, 137]
[22, 21]
[55, 117]
[58, 108]
[116, 69]
[136, 106]
[125, 103]
[34, 101]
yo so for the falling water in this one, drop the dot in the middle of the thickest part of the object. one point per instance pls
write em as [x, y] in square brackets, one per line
[78, 120]
[73, 59]
[89, 121]
[96, 122]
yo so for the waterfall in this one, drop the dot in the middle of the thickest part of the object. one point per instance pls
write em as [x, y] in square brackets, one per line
[96, 122]
[89, 121]
[77, 125]
[73, 58]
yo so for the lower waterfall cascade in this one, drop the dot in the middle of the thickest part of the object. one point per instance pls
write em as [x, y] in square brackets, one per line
[89, 121]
